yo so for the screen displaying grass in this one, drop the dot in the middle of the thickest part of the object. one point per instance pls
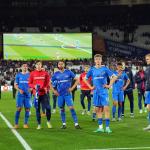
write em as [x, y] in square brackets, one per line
[47, 46]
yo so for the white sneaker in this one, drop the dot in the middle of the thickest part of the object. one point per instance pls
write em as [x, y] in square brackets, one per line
[131, 115]
[83, 112]
[147, 128]
[141, 111]
[38, 127]
[88, 113]
[113, 119]
[49, 125]
[54, 111]
[119, 119]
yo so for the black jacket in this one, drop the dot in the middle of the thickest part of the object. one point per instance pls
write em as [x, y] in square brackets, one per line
[139, 80]
[130, 75]
[147, 78]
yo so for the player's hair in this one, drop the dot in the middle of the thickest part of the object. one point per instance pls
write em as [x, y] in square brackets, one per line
[119, 64]
[97, 55]
[24, 64]
[148, 55]
[61, 61]
[38, 62]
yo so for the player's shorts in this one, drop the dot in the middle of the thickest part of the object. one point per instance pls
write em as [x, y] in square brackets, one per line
[65, 99]
[23, 100]
[147, 97]
[85, 93]
[118, 96]
[44, 100]
[100, 99]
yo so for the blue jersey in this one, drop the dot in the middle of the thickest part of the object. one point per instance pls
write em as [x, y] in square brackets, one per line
[119, 83]
[63, 81]
[99, 78]
[22, 82]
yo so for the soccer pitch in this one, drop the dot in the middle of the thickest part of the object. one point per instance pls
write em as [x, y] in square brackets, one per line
[47, 46]
[126, 134]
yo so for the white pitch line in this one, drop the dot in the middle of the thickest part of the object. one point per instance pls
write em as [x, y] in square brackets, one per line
[122, 148]
[19, 137]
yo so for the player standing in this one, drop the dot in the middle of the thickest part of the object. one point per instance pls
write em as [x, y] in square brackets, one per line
[40, 78]
[85, 91]
[99, 75]
[147, 86]
[23, 95]
[118, 90]
[63, 78]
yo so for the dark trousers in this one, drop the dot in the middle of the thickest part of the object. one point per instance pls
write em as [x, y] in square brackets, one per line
[44, 102]
[54, 100]
[140, 97]
[131, 100]
[86, 93]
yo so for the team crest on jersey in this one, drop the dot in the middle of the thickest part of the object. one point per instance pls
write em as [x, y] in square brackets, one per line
[102, 73]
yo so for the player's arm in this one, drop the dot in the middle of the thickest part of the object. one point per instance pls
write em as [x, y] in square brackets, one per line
[74, 85]
[53, 79]
[46, 83]
[30, 83]
[88, 75]
[113, 78]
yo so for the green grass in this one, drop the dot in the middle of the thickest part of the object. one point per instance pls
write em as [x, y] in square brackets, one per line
[127, 133]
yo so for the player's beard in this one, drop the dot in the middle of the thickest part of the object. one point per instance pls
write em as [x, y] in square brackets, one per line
[61, 68]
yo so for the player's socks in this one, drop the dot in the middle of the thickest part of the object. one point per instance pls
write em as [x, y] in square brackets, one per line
[94, 116]
[17, 115]
[27, 114]
[74, 116]
[100, 123]
[119, 111]
[107, 121]
[113, 111]
[63, 116]
[108, 130]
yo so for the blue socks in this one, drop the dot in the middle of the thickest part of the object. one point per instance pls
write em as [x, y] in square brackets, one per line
[63, 115]
[113, 111]
[100, 121]
[107, 121]
[74, 116]
[17, 115]
[26, 117]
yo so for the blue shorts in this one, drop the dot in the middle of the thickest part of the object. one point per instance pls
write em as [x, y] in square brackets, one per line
[62, 99]
[23, 100]
[100, 100]
[118, 96]
[147, 97]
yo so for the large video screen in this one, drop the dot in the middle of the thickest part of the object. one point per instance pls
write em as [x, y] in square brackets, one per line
[29, 46]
